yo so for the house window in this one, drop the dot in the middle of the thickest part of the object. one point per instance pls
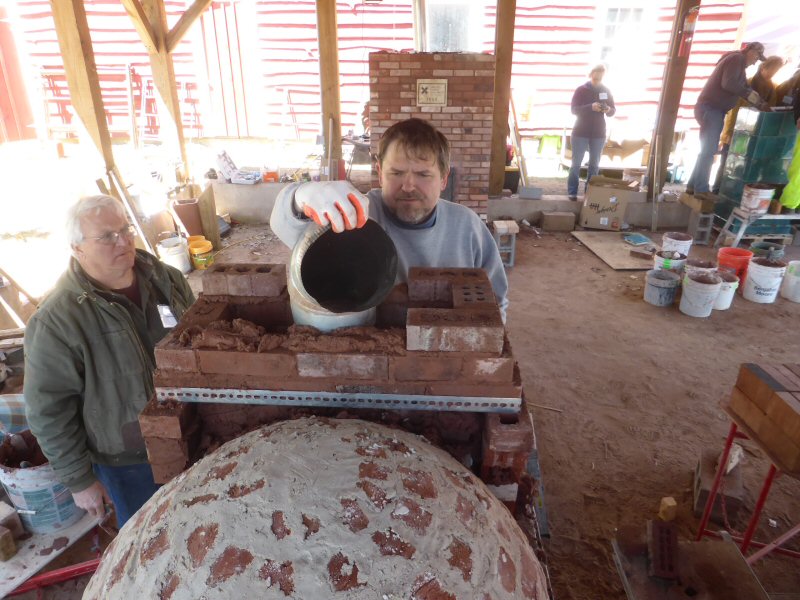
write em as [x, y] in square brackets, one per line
[623, 26]
[449, 25]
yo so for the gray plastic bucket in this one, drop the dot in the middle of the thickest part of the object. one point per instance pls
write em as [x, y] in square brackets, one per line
[44, 504]
[661, 287]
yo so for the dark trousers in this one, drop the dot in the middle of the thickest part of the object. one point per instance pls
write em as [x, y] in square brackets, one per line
[129, 486]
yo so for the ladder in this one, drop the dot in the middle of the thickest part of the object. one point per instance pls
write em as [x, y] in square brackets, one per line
[516, 141]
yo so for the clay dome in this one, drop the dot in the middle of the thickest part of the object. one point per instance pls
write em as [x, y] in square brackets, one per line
[322, 509]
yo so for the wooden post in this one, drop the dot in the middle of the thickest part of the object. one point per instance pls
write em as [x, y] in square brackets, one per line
[504, 51]
[77, 53]
[674, 75]
[329, 81]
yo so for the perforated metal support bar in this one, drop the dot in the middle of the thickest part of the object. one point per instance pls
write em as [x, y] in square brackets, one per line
[340, 399]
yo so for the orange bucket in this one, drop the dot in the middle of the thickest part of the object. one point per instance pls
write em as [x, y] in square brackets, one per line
[736, 259]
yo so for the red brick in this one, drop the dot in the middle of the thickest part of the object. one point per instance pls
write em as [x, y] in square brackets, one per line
[268, 280]
[494, 369]
[450, 330]
[247, 363]
[427, 284]
[474, 390]
[509, 432]
[166, 419]
[163, 473]
[202, 312]
[172, 356]
[166, 450]
[425, 367]
[343, 366]
[474, 295]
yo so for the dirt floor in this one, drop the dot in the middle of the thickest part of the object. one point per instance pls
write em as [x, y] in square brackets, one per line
[632, 395]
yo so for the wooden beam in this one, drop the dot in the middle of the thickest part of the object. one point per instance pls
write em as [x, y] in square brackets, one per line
[504, 52]
[141, 24]
[329, 80]
[680, 45]
[77, 53]
[164, 76]
[187, 19]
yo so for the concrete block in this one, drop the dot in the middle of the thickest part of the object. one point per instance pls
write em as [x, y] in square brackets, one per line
[530, 193]
[247, 363]
[167, 419]
[214, 282]
[268, 280]
[343, 366]
[558, 221]
[9, 518]
[732, 490]
[425, 367]
[238, 277]
[446, 330]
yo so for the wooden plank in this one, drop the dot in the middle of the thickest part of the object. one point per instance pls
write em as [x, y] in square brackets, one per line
[75, 43]
[187, 19]
[12, 333]
[208, 217]
[141, 24]
[11, 343]
[31, 298]
[164, 78]
[504, 52]
[612, 250]
[329, 80]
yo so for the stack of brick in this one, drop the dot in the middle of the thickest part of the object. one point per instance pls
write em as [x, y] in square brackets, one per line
[466, 119]
[766, 401]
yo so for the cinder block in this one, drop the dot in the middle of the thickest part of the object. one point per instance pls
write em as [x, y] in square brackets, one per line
[425, 367]
[10, 520]
[474, 295]
[167, 419]
[172, 356]
[8, 547]
[732, 490]
[558, 221]
[268, 280]
[238, 277]
[247, 363]
[445, 330]
[215, 283]
[343, 366]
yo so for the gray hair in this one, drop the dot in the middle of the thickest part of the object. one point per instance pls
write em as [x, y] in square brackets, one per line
[600, 67]
[84, 206]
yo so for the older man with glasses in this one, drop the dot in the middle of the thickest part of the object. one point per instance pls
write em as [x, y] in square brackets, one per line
[89, 359]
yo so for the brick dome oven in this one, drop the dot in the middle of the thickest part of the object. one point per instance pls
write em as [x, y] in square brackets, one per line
[319, 508]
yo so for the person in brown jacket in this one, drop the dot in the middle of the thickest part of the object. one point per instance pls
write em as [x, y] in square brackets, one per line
[762, 83]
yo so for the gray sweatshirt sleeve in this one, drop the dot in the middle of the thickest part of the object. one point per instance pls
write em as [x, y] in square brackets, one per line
[283, 221]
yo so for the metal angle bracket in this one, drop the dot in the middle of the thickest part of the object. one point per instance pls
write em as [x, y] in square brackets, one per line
[340, 399]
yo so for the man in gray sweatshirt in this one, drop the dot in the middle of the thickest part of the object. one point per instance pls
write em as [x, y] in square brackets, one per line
[723, 89]
[428, 231]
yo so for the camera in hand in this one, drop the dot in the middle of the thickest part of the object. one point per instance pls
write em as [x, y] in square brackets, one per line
[603, 106]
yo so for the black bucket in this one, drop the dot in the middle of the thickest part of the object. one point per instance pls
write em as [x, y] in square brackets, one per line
[350, 271]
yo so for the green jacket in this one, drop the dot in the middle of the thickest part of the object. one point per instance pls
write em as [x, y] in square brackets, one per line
[89, 367]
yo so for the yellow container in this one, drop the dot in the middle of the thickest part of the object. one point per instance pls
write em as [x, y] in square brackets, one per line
[202, 252]
[196, 238]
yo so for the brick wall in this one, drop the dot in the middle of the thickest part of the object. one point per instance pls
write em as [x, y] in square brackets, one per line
[466, 120]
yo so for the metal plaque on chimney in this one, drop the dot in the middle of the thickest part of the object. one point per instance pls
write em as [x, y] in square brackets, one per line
[431, 92]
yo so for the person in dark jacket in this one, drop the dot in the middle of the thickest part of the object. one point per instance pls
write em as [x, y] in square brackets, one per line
[723, 89]
[89, 359]
[591, 103]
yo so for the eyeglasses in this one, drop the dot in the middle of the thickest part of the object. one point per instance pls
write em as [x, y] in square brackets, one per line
[112, 237]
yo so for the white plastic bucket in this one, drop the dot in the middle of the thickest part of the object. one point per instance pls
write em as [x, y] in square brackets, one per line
[670, 260]
[700, 291]
[764, 279]
[174, 251]
[756, 198]
[727, 291]
[37, 490]
[661, 287]
[791, 282]
[700, 267]
[677, 242]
